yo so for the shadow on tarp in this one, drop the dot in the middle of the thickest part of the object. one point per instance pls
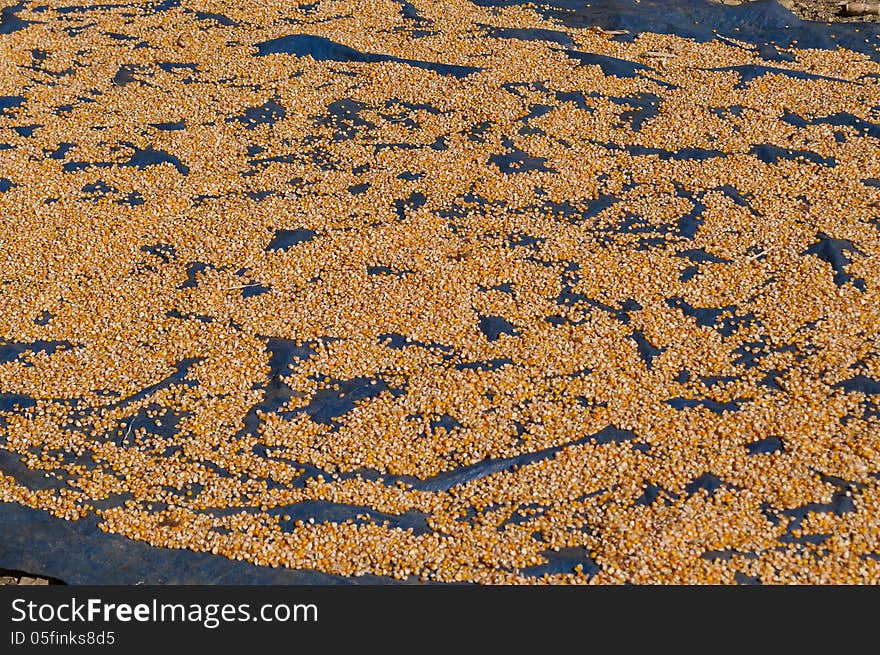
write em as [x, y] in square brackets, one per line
[765, 24]
[77, 552]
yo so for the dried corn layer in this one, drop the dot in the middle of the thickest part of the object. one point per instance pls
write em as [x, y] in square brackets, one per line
[443, 290]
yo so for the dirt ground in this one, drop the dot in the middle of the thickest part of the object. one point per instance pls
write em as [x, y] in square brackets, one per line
[26, 581]
[831, 11]
[23, 579]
